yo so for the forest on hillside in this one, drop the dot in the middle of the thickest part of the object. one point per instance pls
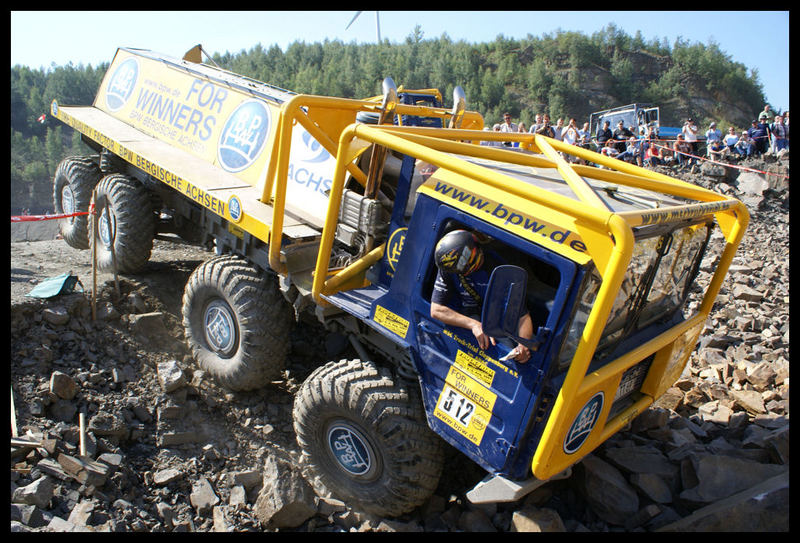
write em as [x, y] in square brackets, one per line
[565, 74]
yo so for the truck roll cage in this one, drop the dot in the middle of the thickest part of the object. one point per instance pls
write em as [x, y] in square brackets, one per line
[610, 242]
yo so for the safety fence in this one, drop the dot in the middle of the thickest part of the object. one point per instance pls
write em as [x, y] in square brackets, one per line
[658, 141]
[726, 164]
[31, 218]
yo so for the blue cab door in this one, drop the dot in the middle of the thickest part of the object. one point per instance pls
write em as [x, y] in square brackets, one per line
[474, 400]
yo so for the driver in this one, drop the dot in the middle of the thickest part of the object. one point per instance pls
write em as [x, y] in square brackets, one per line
[461, 280]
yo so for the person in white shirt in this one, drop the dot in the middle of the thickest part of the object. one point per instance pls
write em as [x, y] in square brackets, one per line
[507, 126]
[570, 133]
[731, 138]
[689, 131]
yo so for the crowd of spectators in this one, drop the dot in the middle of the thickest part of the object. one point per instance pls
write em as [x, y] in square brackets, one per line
[648, 150]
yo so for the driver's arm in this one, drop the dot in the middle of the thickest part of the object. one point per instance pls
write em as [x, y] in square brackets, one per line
[452, 317]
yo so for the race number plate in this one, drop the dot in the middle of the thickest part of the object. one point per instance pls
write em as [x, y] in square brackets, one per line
[465, 405]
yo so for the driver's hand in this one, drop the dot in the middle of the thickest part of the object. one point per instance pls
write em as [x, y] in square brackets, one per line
[521, 354]
[483, 340]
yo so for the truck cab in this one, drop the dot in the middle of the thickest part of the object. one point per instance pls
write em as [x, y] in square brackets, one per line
[587, 377]
[636, 117]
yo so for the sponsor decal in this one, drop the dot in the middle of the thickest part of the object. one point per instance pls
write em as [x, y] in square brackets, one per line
[350, 449]
[583, 424]
[243, 136]
[475, 367]
[120, 86]
[235, 208]
[311, 150]
[508, 218]
[390, 321]
[395, 247]
[465, 405]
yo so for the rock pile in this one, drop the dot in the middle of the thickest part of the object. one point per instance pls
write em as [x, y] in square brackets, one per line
[118, 430]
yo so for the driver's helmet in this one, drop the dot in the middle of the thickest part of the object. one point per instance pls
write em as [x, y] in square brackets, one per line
[458, 252]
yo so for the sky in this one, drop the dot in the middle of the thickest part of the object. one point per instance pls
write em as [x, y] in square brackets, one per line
[40, 39]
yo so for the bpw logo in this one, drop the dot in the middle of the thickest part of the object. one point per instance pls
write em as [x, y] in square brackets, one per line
[312, 150]
[583, 424]
[120, 87]
[235, 208]
[243, 136]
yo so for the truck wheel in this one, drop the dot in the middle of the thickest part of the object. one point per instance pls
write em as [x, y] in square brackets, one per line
[366, 438]
[125, 221]
[73, 184]
[236, 323]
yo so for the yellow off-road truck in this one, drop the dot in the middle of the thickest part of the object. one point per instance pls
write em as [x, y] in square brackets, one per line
[335, 207]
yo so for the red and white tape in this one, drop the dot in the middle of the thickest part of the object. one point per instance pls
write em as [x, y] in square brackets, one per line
[30, 218]
[724, 163]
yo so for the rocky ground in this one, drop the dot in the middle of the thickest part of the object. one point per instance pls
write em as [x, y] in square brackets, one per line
[166, 450]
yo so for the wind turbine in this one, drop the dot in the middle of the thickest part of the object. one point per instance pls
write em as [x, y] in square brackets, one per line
[377, 23]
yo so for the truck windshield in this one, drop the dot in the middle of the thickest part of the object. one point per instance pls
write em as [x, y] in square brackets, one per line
[656, 284]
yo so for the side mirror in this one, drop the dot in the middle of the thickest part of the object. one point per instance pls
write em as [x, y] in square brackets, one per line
[459, 105]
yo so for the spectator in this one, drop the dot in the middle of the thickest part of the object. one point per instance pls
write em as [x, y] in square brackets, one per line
[713, 134]
[744, 147]
[546, 129]
[667, 154]
[610, 149]
[682, 150]
[759, 133]
[495, 128]
[487, 143]
[621, 135]
[603, 135]
[507, 126]
[537, 123]
[570, 133]
[716, 150]
[766, 113]
[558, 130]
[652, 155]
[780, 134]
[689, 132]
[520, 129]
[632, 152]
[730, 139]
[786, 118]
[584, 136]
[650, 138]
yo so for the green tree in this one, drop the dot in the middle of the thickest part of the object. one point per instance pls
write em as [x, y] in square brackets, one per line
[566, 74]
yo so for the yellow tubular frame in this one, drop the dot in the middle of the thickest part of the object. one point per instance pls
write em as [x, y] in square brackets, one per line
[437, 146]
[296, 110]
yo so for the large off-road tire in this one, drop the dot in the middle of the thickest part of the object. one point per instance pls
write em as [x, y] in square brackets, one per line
[125, 221]
[364, 436]
[73, 184]
[236, 323]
